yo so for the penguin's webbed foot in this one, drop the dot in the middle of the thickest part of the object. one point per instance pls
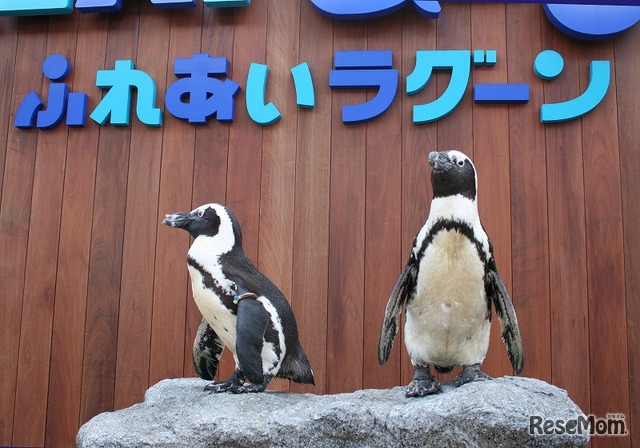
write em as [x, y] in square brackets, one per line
[250, 387]
[237, 379]
[423, 384]
[247, 387]
[471, 373]
[422, 388]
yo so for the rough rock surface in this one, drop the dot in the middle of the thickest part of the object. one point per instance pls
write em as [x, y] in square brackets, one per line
[178, 413]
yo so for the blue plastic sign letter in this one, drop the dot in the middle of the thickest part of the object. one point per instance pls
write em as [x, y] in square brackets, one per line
[481, 58]
[592, 22]
[367, 9]
[261, 113]
[600, 72]
[459, 62]
[116, 104]
[196, 96]
[92, 6]
[56, 67]
[174, 4]
[365, 69]
[77, 105]
[56, 106]
[35, 7]
[27, 111]
[501, 93]
[31, 113]
[305, 96]
[226, 3]
[548, 64]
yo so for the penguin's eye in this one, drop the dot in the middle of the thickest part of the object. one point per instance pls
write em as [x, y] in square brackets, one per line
[200, 213]
[460, 162]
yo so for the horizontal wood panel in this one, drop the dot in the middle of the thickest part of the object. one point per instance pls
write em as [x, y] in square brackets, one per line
[97, 302]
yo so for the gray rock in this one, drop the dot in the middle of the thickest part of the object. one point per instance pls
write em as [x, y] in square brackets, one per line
[178, 413]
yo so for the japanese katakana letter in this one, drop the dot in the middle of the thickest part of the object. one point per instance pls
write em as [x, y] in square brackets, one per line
[548, 65]
[116, 104]
[365, 69]
[261, 113]
[496, 93]
[30, 112]
[305, 96]
[459, 62]
[197, 96]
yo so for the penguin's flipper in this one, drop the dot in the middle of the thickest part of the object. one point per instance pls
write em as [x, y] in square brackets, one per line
[508, 320]
[250, 328]
[397, 299]
[207, 348]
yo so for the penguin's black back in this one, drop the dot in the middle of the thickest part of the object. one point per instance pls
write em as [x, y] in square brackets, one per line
[295, 365]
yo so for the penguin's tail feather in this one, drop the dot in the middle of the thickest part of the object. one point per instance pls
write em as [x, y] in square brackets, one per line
[296, 367]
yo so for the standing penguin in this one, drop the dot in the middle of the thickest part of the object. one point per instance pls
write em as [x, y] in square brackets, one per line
[448, 286]
[241, 308]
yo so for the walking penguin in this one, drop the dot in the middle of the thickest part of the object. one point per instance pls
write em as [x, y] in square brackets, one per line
[241, 308]
[448, 286]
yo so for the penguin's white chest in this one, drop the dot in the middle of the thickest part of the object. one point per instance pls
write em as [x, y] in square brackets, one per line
[213, 310]
[446, 321]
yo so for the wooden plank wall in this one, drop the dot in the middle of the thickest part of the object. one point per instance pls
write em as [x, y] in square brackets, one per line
[96, 301]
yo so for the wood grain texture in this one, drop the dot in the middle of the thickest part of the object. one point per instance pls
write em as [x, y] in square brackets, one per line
[383, 209]
[8, 48]
[96, 296]
[277, 186]
[15, 216]
[105, 262]
[453, 31]
[311, 229]
[41, 265]
[176, 188]
[345, 304]
[67, 345]
[141, 223]
[529, 216]
[491, 155]
[567, 233]
[605, 253]
[627, 92]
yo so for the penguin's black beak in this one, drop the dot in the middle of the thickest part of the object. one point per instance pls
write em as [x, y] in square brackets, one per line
[439, 161]
[178, 220]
